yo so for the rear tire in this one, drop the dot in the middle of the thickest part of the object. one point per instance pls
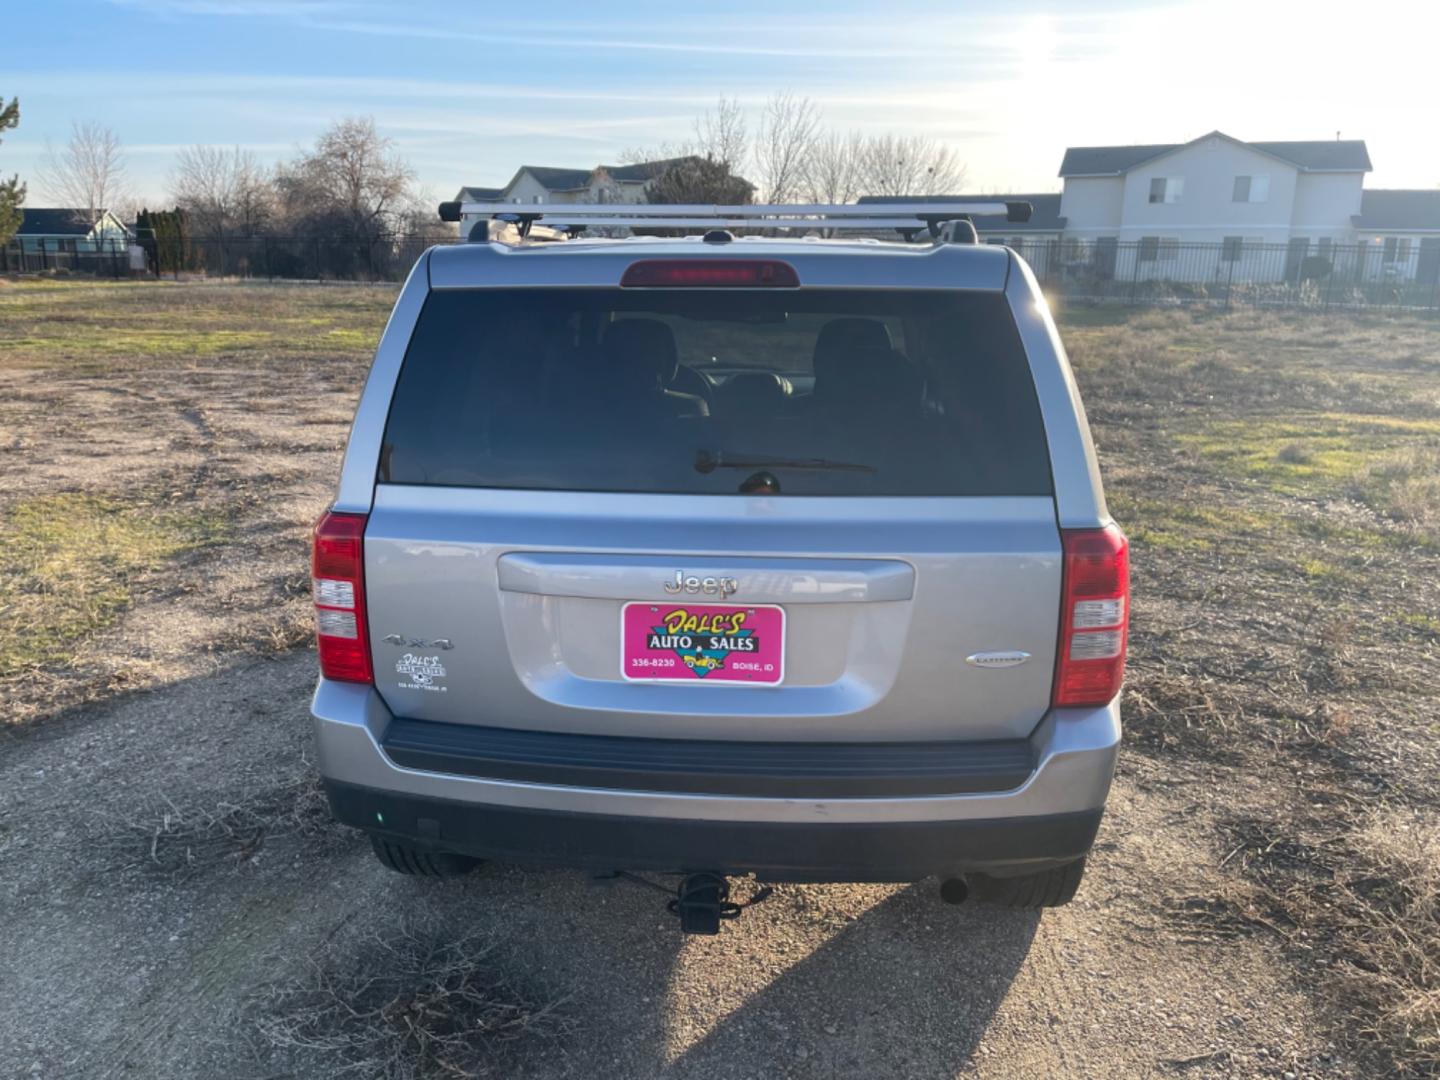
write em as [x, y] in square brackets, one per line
[417, 862]
[1048, 888]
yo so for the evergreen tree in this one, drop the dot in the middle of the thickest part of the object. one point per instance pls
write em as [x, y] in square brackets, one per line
[12, 192]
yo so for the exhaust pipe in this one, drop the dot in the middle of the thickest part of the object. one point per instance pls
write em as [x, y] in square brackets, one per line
[954, 890]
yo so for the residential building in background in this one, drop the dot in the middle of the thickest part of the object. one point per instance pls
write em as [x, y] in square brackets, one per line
[69, 231]
[1405, 226]
[540, 184]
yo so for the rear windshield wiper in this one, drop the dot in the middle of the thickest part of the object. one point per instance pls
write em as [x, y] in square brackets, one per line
[708, 462]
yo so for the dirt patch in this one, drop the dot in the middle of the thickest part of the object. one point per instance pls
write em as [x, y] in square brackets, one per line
[165, 448]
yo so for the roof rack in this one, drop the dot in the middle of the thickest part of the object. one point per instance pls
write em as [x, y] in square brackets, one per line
[903, 217]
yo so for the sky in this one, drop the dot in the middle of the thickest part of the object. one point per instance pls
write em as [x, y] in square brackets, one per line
[470, 91]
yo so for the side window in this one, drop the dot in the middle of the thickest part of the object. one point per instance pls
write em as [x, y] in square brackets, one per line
[1149, 248]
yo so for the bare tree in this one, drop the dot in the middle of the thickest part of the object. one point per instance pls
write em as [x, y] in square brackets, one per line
[89, 174]
[721, 135]
[352, 181]
[788, 129]
[834, 168]
[222, 190]
[909, 165]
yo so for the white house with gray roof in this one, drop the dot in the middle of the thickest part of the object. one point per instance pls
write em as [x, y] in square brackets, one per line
[539, 184]
[1213, 189]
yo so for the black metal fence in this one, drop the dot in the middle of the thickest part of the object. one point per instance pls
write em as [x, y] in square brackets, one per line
[1394, 275]
[1300, 273]
[258, 257]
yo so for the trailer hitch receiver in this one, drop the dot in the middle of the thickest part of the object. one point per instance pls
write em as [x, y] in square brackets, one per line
[701, 901]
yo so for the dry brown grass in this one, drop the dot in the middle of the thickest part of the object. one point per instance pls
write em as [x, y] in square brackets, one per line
[1358, 901]
[418, 1002]
[183, 841]
[1279, 476]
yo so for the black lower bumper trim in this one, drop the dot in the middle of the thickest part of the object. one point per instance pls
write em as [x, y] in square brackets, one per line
[826, 851]
[802, 770]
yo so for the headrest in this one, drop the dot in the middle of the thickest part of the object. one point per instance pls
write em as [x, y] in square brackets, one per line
[844, 335]
[868, 380]
[642, 350]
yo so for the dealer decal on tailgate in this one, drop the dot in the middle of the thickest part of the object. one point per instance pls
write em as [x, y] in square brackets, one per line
[710, 643]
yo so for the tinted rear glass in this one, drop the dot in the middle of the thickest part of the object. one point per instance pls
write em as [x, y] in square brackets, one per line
[795, 392]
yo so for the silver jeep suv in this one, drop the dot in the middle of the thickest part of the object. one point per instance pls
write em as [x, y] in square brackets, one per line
[723, 556]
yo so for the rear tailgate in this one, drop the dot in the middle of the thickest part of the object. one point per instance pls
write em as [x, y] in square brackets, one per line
[875, 638]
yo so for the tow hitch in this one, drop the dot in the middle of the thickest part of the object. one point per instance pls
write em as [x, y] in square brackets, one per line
[700, 901]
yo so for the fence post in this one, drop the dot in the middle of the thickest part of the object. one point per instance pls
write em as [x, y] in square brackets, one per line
[1135, 271]
[1230, 272]
[1330, 277]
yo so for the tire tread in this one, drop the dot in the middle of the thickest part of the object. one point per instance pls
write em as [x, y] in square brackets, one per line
[1054, 887]
[417, 862]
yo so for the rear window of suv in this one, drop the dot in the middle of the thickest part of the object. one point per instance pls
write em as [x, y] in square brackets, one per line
[718, 391]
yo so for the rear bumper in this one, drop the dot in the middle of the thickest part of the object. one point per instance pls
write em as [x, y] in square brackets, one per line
[1048, 817]
[844, 851]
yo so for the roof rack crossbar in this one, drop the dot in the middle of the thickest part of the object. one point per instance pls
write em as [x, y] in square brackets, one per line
[918, 214]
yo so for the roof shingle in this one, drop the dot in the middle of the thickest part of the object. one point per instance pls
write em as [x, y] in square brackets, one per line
[54, 221]
[1399, 210]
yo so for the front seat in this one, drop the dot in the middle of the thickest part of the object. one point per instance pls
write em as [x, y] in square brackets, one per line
[640, 361]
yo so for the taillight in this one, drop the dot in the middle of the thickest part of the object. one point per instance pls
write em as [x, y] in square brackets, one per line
[1094, 616]
[710, 273]
[337, 578]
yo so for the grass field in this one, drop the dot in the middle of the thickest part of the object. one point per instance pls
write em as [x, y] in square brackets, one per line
[166, 447]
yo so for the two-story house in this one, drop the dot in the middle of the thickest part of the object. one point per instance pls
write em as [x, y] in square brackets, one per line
[1248, 197]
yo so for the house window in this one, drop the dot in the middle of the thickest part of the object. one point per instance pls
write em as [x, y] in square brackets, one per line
[1322, 247]
[1166, 189]
[1251, 189]
[1016, 242]
[1397, 249]
[1149, 248]
[1169, 249]
[1231, 247]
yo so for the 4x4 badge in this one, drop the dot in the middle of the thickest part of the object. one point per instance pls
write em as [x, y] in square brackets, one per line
[1007, 658]
[418, 642]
